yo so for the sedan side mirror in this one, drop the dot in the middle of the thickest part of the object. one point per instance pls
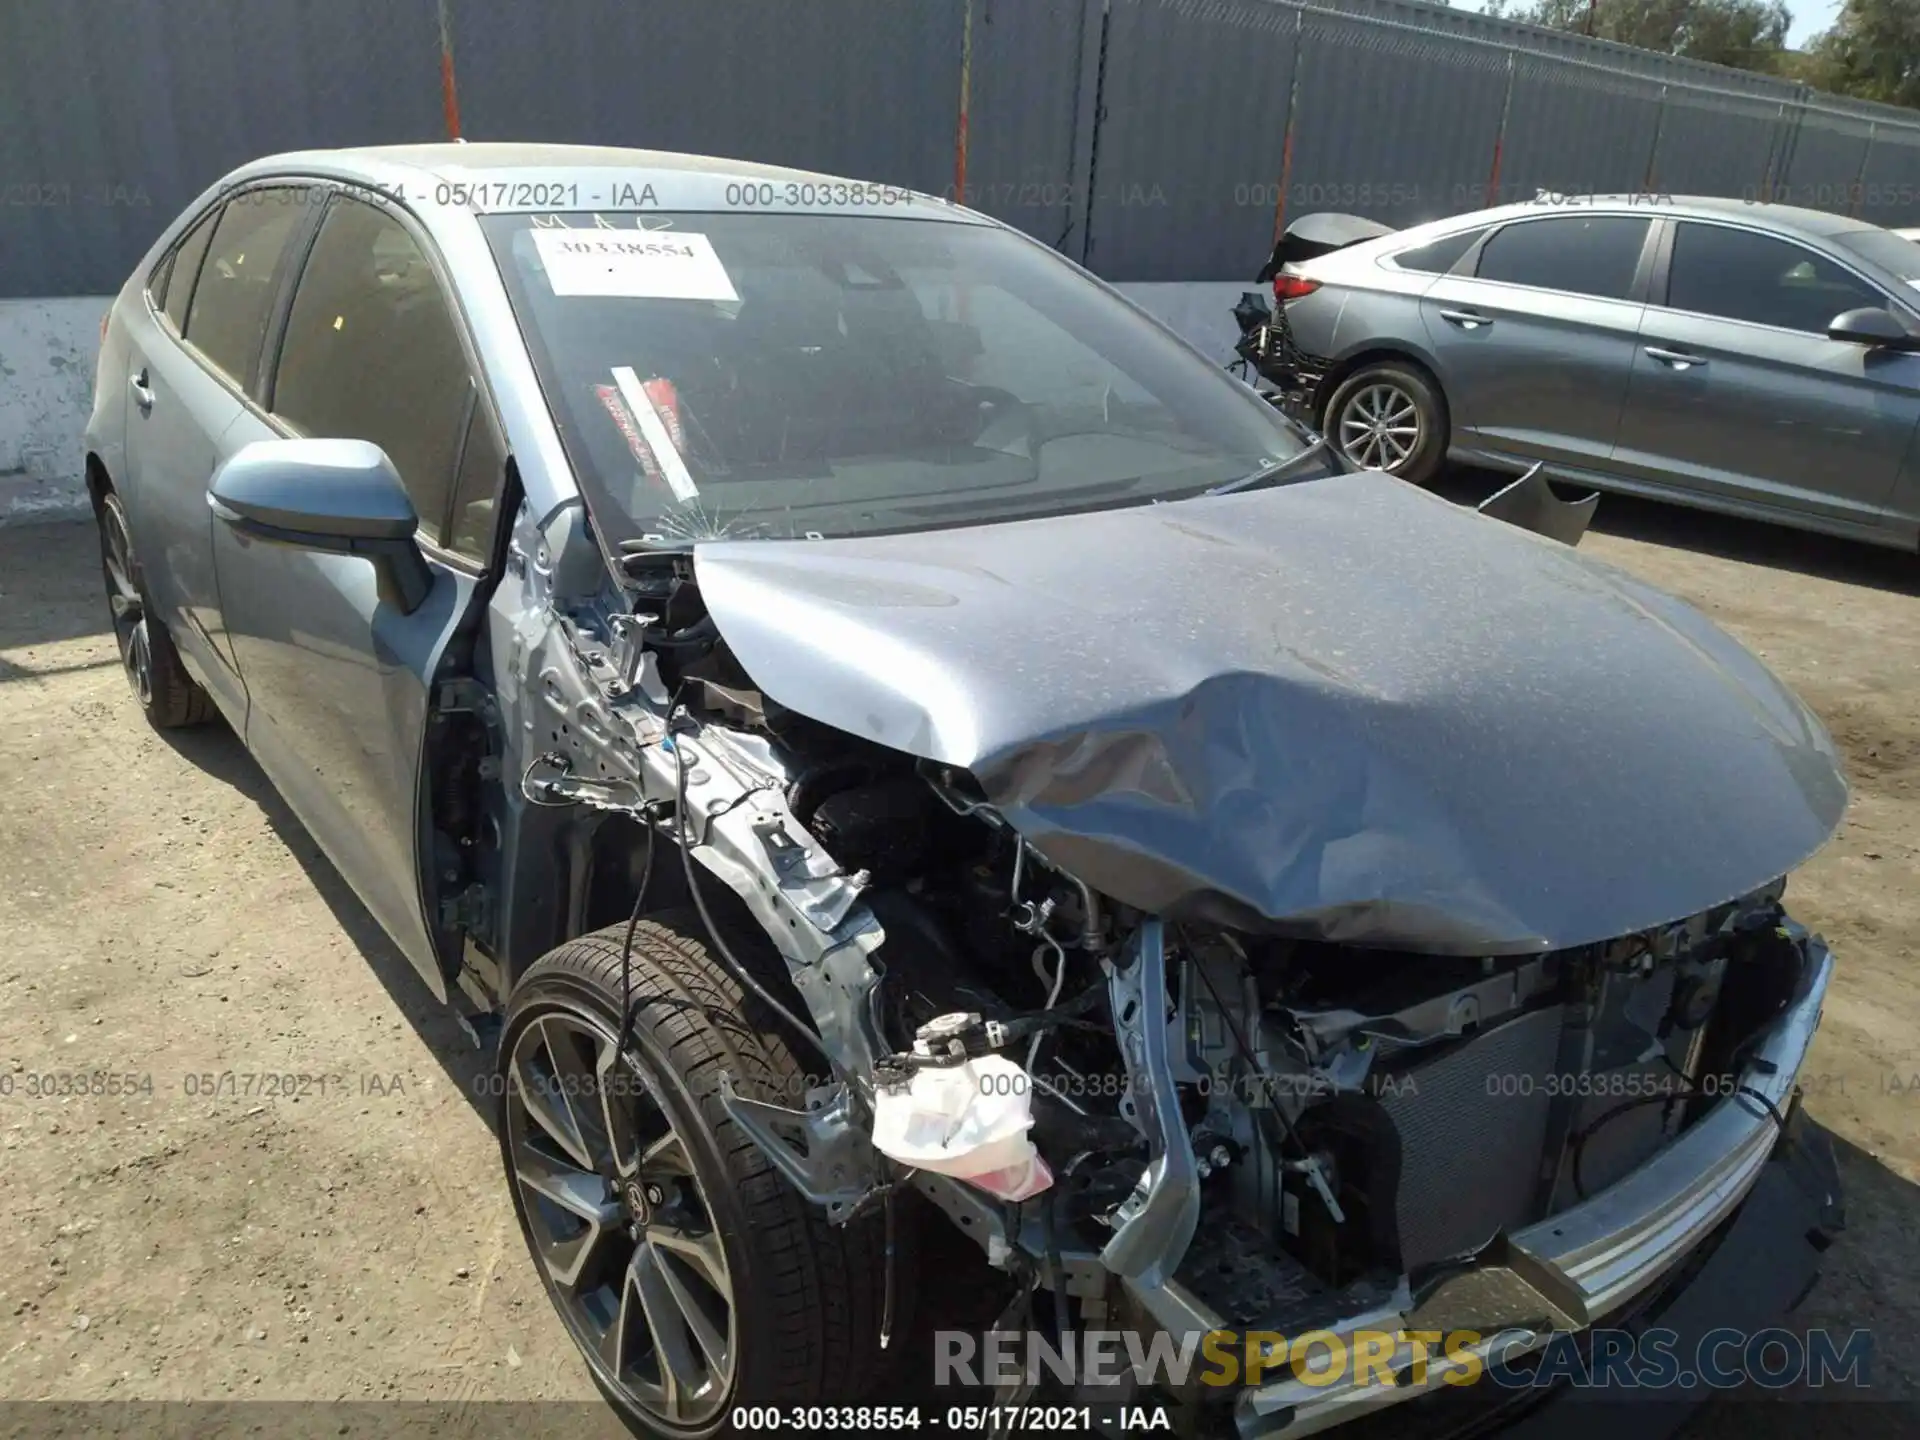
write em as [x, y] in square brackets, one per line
[341, 496]
[1871, 325]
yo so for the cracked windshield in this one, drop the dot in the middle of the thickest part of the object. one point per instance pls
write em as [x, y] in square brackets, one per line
[804, 375]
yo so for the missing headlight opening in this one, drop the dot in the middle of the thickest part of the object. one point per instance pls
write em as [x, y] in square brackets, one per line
[1161, 1103]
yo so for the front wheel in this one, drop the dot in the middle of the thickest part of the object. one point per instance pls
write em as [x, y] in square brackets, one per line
[1389, 416]
[693, 1278]
[167, 694]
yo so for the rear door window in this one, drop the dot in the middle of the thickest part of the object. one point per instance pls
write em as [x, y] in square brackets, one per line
[239, 280]
[1743, 275]
[1593, 255]
[372, 353]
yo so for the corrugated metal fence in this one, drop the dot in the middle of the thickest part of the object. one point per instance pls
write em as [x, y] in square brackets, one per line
[1151, 139]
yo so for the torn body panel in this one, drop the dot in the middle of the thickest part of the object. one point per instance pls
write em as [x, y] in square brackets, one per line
[1530, 503]
[1312, 236]
[585, 735]
[1340, 709]
[590, 728]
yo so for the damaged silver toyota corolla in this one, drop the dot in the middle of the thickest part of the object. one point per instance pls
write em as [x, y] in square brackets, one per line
[870, 719]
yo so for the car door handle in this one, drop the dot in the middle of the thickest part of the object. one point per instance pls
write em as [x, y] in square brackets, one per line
[1466, 319]
[142, 392]
[1676, 359]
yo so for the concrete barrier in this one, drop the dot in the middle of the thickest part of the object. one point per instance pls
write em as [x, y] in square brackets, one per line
[48, 349]
[47, 354]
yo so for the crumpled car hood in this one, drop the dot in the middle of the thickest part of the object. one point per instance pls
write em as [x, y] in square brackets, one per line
[1343, 709]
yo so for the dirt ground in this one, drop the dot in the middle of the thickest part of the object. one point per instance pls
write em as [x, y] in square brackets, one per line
[166, 920]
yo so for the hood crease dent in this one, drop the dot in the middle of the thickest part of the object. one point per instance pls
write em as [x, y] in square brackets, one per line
[1342, 709]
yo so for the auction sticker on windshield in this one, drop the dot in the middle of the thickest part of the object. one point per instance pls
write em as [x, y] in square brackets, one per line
[641, 265]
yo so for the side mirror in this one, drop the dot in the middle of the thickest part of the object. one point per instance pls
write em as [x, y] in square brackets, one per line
[341, 496]
[1871, 325]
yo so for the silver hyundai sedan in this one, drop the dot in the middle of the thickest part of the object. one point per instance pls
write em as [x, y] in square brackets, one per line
[1756, 359]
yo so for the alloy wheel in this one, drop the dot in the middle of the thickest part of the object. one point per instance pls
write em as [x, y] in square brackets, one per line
[137, 655]
[1379, 427]
[123, 599]
[619, 1220]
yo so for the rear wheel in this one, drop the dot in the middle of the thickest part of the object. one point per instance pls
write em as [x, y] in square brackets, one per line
[160, 681]
[691, 1275]
[1389, 416]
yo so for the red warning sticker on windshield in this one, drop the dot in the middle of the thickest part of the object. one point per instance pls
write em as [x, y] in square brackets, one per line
[609, 396]
[647, 414]
[654, 405]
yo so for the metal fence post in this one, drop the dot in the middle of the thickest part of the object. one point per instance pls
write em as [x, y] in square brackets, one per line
[1790, 149]
[1492, 197]
[1860, 180]
[966, 106]
[1653, 151]
[1099, 122]
[1773, 145]
[449, 98]
[1286, 131]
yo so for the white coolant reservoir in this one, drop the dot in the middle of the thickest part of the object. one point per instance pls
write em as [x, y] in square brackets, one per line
[968, 1120]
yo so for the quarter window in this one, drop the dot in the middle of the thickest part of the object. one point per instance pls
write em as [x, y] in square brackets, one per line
[1741, 275]
[1436, 257]
[227, 319]
[470, 523]
[181, 273]
[372, 353]
[1580, 254]
[157, 281]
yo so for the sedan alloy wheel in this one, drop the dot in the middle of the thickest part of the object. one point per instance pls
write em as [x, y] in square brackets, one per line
[1379, 427]
[619, 1220]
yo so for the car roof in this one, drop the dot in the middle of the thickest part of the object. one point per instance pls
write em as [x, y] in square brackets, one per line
[495, 177]
[453, 159]
[1788, 219]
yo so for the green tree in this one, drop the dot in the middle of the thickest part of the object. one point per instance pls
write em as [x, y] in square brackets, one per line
[1749, 34]
[1871, 53]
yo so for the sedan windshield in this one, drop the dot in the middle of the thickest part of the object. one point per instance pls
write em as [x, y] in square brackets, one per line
[791, 375]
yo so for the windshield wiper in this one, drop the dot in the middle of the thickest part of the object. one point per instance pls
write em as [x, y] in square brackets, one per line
[1273, 471]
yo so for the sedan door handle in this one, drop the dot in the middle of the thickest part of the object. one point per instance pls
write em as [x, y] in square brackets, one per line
[142, 392]
[1466, 319]
[1675, 359]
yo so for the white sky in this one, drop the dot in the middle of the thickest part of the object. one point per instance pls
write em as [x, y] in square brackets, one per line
[1810, 17]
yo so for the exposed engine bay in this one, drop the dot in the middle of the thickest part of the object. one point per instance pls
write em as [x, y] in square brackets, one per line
[1150, 1116]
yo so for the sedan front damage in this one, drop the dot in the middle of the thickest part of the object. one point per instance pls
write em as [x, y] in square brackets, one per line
[1377, 911]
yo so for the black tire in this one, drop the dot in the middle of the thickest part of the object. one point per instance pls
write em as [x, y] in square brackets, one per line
[1356, 418]
[167, 694]
[806, 1298]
